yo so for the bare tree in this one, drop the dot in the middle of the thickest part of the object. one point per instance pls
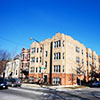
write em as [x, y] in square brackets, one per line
[4, 56]
[79, 71]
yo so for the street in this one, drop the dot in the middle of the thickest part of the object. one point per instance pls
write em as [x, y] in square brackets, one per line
[33, 93]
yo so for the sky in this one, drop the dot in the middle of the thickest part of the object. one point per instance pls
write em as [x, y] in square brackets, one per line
[42, 19]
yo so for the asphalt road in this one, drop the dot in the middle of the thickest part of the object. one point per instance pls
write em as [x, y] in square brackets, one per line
[27, 93]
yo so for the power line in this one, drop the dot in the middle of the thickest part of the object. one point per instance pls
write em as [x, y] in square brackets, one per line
[11, 41]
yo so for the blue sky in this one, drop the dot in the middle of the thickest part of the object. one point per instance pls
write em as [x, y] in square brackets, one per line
[41, 19]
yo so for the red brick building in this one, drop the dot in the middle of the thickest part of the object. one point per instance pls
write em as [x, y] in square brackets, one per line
[25, 63]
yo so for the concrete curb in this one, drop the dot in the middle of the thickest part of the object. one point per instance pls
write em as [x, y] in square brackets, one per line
[67, 87]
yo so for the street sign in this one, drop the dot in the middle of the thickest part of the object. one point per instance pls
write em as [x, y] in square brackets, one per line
[42, 67]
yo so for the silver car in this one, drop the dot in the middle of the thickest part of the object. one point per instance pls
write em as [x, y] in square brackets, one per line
[14, 82]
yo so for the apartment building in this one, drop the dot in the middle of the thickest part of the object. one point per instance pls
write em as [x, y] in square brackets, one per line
[89, 62]
[59, 60]
[16, 66]
[25, 63]
[95, 62]
[9, 69]
[92, 62]
[13, 67]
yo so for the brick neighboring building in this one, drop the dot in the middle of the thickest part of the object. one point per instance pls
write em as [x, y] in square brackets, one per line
[2, 67]
[25, 63]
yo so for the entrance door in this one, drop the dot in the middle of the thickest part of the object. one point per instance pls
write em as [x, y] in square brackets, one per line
[45, 78]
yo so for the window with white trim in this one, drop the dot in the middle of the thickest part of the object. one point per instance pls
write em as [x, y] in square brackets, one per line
[63, 43]
[45, 64]
[31, 69]
[37, 59]
[33, 50]
[57, 68]
[57, 56]
[82, 61]
[40, 59]
[37, 50]
[77, 60]
[33, 59]
[56, 80]
[77, 49]
[63, 69]
[57, 44]
[82, 52]
[46, 53]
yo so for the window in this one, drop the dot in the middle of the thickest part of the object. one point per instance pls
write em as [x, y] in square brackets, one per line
[77, 59]
[77, 49]
[57, 68]
[28, 56]
[57, 44]
[82, 51]
[45, 63]
[57, 56]
[24, 65]
[87, 63]
[63, 43]
[41, 49]
[25, 56]
[63, 68]
[33, 50]
[31, 79]
[94, 57]
[56, 80]
[95, 64]
[40, 59]
[82, 61]
[90, 63]
[39, 69]
[37, 50]
[16, 72]
[33, 59]
[32, 69]
[90, 55]
[78, 70]
[37, 59]
[63, 56]
[36, 69]
[46, 53]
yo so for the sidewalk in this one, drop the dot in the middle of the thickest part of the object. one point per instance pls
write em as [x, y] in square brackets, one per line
[46, 86]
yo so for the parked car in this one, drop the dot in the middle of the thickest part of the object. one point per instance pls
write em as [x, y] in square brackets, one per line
[14, 82]
[96, 83]
[3, 83]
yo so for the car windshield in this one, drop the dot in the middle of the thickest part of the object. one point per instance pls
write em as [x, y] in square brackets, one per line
[17, 79]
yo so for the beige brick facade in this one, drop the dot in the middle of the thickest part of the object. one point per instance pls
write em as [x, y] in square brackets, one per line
[64, 60]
